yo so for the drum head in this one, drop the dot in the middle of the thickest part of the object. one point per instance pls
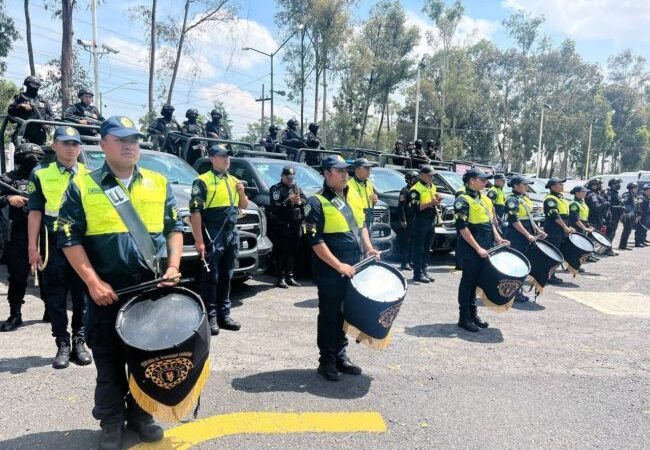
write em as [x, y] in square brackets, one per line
[601, 238]
[379, 284]
[549, 251]
[160, 320]
[582, 242]
[510, 264]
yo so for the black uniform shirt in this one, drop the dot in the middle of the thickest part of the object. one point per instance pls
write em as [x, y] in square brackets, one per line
[219, 130]
[282, 209]
[17, 179]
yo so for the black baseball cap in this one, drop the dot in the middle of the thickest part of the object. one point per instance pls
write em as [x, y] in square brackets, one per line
[362, 162]
[516, 179]
[554, 180]
[218, 150]
[426, 169]
[288, 170]
[475, 172]
[334, 162]
[499, 176]
[579, 188]
[65, 134]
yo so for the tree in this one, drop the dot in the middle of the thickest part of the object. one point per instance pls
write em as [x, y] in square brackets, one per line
[53, 85]
[255, 130]
[8, 34]
[64, 11]
[28, 36]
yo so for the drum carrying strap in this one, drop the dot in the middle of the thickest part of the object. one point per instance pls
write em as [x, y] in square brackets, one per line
[122, 204]
[346, 210]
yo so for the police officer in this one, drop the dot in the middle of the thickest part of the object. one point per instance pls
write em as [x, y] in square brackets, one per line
[26, 157]
[271, 139]
[521, 230]
[579, 211]
[47, 184]
[161, 126]
[497, 196]
[477, 234]
[430, 151]
[216, 198]
[287, 216]
[616, 208]
[30, 105]
[596, 203]
[643, 201]
[424, 200]
[363, 189]
[406, 219]
[410, 149]
[418, 151]
[629, 216]
[214, 128]
[398, 148]
[84, 112]
[556, 215]
[191, 127]
[290, 138]
[98, 245]
[311, 138]
[338, 236]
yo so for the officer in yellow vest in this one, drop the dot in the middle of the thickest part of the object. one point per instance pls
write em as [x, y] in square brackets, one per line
[556, 212]
[579, 211]
[476, 234]
[424, 200]
[47, 184]
[361, 185]
[338, 236]
[497, 196]
[216, 198]
[101, 249]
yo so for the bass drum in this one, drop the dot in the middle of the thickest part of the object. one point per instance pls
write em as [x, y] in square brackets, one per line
[601, 244]
[544, 259]
[502, 274]
[371, 303]
[167, 341]
[576, 248]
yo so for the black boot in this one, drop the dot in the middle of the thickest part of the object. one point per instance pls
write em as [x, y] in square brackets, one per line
[214, 326]
[555, 280]
[405, 266]
[62, 358]
[347, 366]
[46, 316]
[426, 275]
[15, 319]
[227, 323]
[281, 283]
[291, 281]
[465, 321]
[111, 438]
[420, 278]
[148, 430]
[473, 311]
[80, 353]
[329, 371]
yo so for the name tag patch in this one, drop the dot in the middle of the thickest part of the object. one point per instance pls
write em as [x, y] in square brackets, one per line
[117, 196]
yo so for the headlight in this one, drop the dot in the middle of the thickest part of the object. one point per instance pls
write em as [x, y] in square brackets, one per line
[262, 213]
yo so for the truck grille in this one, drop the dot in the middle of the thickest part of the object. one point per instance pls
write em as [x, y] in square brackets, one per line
[381, 215]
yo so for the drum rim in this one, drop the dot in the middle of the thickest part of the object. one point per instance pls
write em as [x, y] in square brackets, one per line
[585, 237]
[518, 253]
[553, 247]
[596, 237]
[137, 298]
[390, 268]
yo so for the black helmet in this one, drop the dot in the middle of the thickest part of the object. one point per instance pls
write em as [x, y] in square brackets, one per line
[167, 108]
[84, 91]
[430, 142]
[593, 182]
[214, 113]
[273, 128]
[313, 127]
[399, 142]
[418, 142]
[410, 143]
[33, 82]
[292, 123]
[411, 175]
[28, 153]
[614, 181]
[192, 113]
[632, 185]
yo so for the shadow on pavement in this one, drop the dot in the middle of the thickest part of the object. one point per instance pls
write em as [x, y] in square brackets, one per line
[304, 380]
[69, 440]
[528, 306]
[21, 364]
[451, 330]
[311, 303]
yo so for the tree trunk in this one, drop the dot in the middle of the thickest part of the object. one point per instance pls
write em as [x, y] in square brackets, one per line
[66, 52]
[152, 54]
[324, 121]
[179, 52]
[28, 36]
[381, 120]
[317, 74]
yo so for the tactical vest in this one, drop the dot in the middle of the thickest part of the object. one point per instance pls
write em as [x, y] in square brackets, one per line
[363, 192]
[562, 204]
[522, 214]
[334, 220]
[479, 211]
[217, 190]
[501, 196]
[583, 210]
[53, 185]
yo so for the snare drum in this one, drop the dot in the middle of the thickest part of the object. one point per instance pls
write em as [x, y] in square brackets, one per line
[371, 303]
[166, 338]
[502, 274]
[576, 248]
[601, 244]
[544, 260]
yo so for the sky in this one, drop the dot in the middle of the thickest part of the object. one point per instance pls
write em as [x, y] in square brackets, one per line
[600, 29]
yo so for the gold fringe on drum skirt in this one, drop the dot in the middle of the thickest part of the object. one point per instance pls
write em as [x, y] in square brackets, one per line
[174, 413]
[493, 306]
[539, 289]
[571, 270]
[363, 338]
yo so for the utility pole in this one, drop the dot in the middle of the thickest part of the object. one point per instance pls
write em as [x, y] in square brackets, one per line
[417, 101]
[93, 11]
[263, 100]
[539, 143]
[591, 126]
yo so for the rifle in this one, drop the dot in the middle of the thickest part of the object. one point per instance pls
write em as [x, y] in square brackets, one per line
[39, 116]
[90, 120]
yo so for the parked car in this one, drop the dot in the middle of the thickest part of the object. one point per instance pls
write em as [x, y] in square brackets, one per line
[255, 246]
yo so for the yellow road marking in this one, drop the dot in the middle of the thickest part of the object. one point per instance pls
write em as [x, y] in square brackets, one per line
[185, 436]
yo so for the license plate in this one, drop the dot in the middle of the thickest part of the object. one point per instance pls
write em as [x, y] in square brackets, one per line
[376, 234]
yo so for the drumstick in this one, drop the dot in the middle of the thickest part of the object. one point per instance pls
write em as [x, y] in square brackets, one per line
[35, 273]
[145, 285]
[497, 247]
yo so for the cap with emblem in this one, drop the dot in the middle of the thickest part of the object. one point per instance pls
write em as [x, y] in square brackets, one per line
[646, 187]
[577, 189]
[362, 162]
[66, 134]
[119, 126]
[554, 180]
[218, 150]
[288, 170]
[517, 179]
[475, 172]
[334, 162]
[426, 169]
[499, 176]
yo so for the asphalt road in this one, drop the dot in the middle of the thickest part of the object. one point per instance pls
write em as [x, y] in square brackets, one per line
[556, 374]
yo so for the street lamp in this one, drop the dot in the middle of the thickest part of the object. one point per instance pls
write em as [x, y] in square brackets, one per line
[417, 100]
[541, 131]
[128, 83]
[271, 55]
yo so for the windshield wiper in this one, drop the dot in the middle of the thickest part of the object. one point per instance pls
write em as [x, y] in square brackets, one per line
[390, 192]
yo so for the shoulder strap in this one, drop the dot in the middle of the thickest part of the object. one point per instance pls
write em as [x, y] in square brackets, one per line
[345, 209]
[122, 204]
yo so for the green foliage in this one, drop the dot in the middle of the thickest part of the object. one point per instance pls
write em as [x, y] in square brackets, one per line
[8, 34]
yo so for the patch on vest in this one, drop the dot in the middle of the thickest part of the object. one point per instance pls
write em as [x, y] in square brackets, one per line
[340, 204]
[276, 195]
[116, 195]
[552, 203]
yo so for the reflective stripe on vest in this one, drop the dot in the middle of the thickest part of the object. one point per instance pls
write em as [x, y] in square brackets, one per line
[478, 210]
[148, 195]
[217, 190]
[501, 196]
[53, 185]
[562, 204]
[335, 220]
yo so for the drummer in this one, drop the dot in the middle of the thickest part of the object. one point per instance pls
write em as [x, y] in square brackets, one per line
[579, 214]
[338, 236]
[556, 213]
[522, 229]
[497, 196]
[96, 241]
[477, 233]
